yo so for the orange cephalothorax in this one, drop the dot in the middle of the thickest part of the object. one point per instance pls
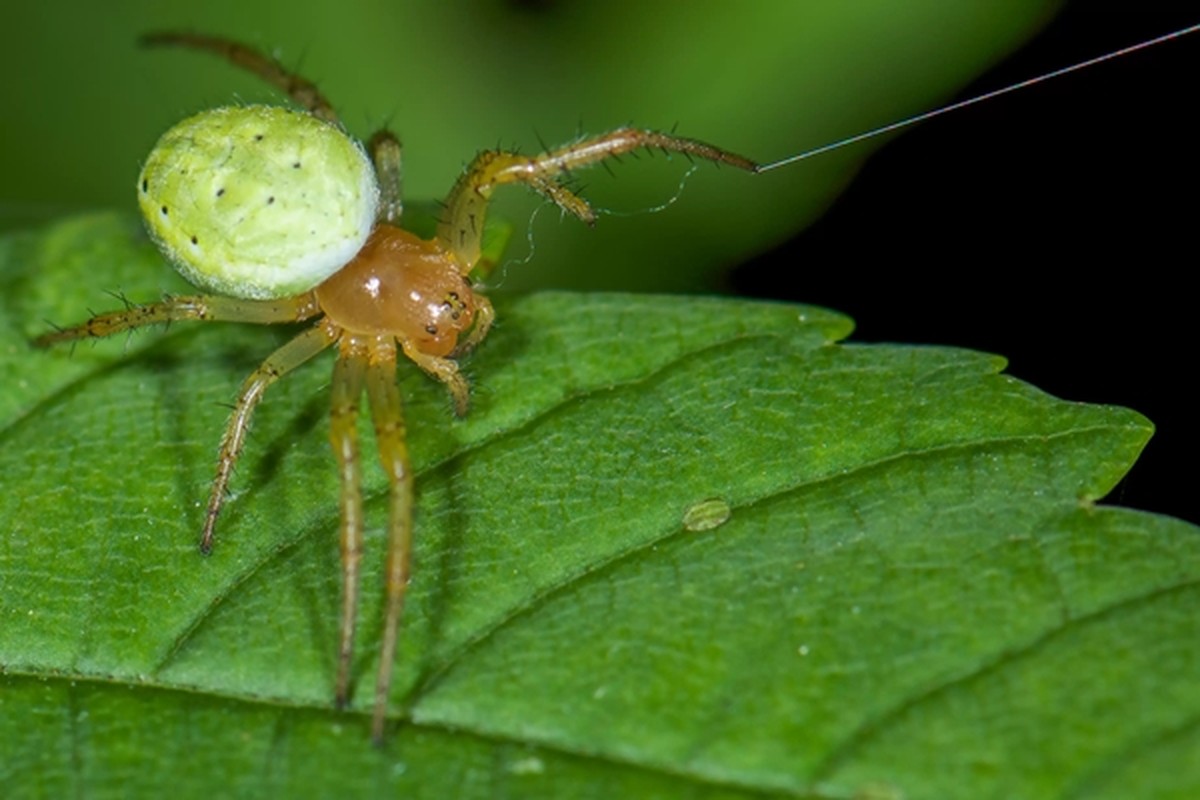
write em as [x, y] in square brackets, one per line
[401, 285]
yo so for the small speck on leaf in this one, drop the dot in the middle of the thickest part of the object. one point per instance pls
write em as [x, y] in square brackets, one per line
[706, 514]
[527, 766]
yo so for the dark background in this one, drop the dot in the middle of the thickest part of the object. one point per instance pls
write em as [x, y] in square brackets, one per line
[1054, 227]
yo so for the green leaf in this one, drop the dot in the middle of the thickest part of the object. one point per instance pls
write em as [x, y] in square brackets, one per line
[913, 593]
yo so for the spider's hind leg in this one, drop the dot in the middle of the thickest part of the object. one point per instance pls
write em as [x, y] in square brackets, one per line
[304, 92]
[386, 154]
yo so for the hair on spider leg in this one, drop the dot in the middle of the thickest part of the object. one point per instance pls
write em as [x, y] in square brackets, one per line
[386, 123]
[120, 297]
[571, 179]
[57, 328]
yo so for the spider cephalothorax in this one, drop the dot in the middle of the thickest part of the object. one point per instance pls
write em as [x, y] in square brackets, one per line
[287, 219]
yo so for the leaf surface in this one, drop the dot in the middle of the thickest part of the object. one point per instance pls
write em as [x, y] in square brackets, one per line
[913, 594]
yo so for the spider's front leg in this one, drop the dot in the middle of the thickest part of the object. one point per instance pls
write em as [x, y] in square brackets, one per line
[461, 228]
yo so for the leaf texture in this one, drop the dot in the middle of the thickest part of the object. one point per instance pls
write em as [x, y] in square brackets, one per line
[914, 593]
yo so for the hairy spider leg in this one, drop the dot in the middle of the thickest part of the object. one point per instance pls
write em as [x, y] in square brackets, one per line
[205, 308]
[201, 308]
[349, 371]
[461, 228]
[282, 361]
[392, 443]
[304, 92]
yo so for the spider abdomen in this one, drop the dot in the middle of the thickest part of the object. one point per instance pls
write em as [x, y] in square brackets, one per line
[404, 286]
[256, 201]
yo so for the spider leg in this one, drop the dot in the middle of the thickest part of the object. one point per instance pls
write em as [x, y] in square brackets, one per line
[386, 154]
[388, 417]
[303, 92]
[348, 375]
[461, 228]
[279, 363]
[445, 370]
[203, 308]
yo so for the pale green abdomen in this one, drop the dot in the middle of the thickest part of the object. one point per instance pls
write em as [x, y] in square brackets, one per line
[258, 201]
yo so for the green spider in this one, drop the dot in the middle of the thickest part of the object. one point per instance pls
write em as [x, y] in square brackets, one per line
[288, 219]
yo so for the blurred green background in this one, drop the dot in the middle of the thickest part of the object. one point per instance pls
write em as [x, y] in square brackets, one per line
[83, 104]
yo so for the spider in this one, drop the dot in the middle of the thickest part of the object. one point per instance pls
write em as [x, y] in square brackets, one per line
[286, 219]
